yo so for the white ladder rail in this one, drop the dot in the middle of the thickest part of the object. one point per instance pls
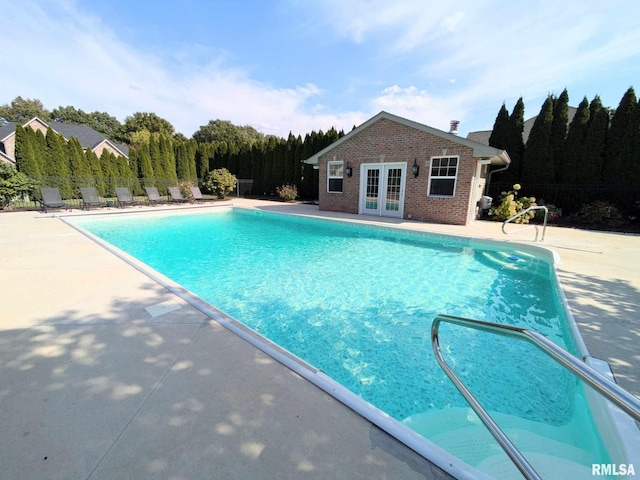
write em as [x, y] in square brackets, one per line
[601, 384]
[528, 227]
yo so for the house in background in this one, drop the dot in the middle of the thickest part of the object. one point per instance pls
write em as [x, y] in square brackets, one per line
[87, 136]
[394, 167]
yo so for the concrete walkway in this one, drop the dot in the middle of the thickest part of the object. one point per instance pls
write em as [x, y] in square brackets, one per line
[106, 374]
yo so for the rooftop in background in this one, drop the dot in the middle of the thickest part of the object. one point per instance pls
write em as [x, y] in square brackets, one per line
[482, 136]
[87, 136]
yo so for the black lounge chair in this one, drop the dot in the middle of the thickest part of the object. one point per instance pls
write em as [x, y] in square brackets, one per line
[50, 198]
[153, 195]
[197, 194]
[90, 198]
[125, 197]
[176, 196]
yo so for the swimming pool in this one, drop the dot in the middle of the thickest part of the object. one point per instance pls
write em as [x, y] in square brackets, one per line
[357, 302]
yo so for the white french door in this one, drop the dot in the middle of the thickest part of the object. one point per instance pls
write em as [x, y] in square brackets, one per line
[382, 189]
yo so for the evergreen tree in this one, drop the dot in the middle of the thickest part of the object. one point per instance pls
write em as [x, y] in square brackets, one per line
[279, 163]
[192, 147]
[134, 167]
[538, 156]
[621, 140]
[109, 172]
[634, 171]
[267, 172]
[185, 152]
[515, 143]
[559, 132]
[593, 152]
[220, 155]
[57, 164]
[78, 164]
[574, 144]
[232, 157]
[39, 145]
[307, 188]
[500, 134]
[289, 160]
[168, 159]
[244, 161]
[96, 169]
[203, 152]
[156, 161]
[146, 168]
[297, 165]
[257, 167]
[26, 160]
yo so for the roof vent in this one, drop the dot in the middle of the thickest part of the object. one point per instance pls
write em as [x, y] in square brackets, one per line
[454, 127]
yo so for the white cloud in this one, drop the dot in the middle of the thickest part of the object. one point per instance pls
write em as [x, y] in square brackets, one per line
[67, 57]
[419, 105]
[495, 49]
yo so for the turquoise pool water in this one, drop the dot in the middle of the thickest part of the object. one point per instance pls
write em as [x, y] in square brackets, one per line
[357, 302]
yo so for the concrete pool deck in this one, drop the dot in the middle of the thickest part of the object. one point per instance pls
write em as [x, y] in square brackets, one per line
[104, 373]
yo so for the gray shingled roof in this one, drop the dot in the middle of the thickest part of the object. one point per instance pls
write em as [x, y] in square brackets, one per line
[87, 136]
[7, 129]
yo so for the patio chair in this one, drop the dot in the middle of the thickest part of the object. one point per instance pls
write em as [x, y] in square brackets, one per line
[50, 198]
[90, 198]
[124, 197]
[176, 196]
[153, 195]
[197, 194]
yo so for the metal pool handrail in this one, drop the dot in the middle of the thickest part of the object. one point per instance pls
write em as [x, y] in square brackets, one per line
[623, 399]
[544, 223]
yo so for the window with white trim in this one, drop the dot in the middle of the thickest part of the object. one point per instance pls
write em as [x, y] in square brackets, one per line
[443, 175]
[335, 174]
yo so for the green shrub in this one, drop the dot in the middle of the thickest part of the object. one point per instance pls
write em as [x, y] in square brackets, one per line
[13, 184]
[511, 205]
[599, 213]
[288, 193]
[220, 182]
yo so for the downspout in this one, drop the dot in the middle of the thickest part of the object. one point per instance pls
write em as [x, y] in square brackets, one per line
[486, 185]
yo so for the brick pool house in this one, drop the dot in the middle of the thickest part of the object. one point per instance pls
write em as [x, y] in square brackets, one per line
[394, 167]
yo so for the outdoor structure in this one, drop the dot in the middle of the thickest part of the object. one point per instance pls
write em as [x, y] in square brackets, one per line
[87, 136]
[391, 166]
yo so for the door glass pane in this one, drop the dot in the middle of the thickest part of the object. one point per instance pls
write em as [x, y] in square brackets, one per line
[393, 189]
[373, 185]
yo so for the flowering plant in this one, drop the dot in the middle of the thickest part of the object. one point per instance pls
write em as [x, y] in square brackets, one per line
[288, 193]
[510, 205]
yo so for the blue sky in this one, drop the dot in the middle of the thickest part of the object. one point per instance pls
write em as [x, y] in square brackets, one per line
[303, 65]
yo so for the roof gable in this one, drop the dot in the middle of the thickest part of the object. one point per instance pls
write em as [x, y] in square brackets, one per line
[7, 130]
[479, 150]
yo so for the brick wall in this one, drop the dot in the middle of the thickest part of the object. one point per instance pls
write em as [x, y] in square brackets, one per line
[387, 141]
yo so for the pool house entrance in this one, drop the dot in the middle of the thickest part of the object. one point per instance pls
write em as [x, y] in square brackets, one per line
[382, 189]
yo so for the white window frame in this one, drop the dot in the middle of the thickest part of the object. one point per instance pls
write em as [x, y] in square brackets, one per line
[443, 174]
[339, 164]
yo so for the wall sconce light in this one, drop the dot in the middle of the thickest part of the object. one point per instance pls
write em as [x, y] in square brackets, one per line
[348, 170]
[416, 168]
